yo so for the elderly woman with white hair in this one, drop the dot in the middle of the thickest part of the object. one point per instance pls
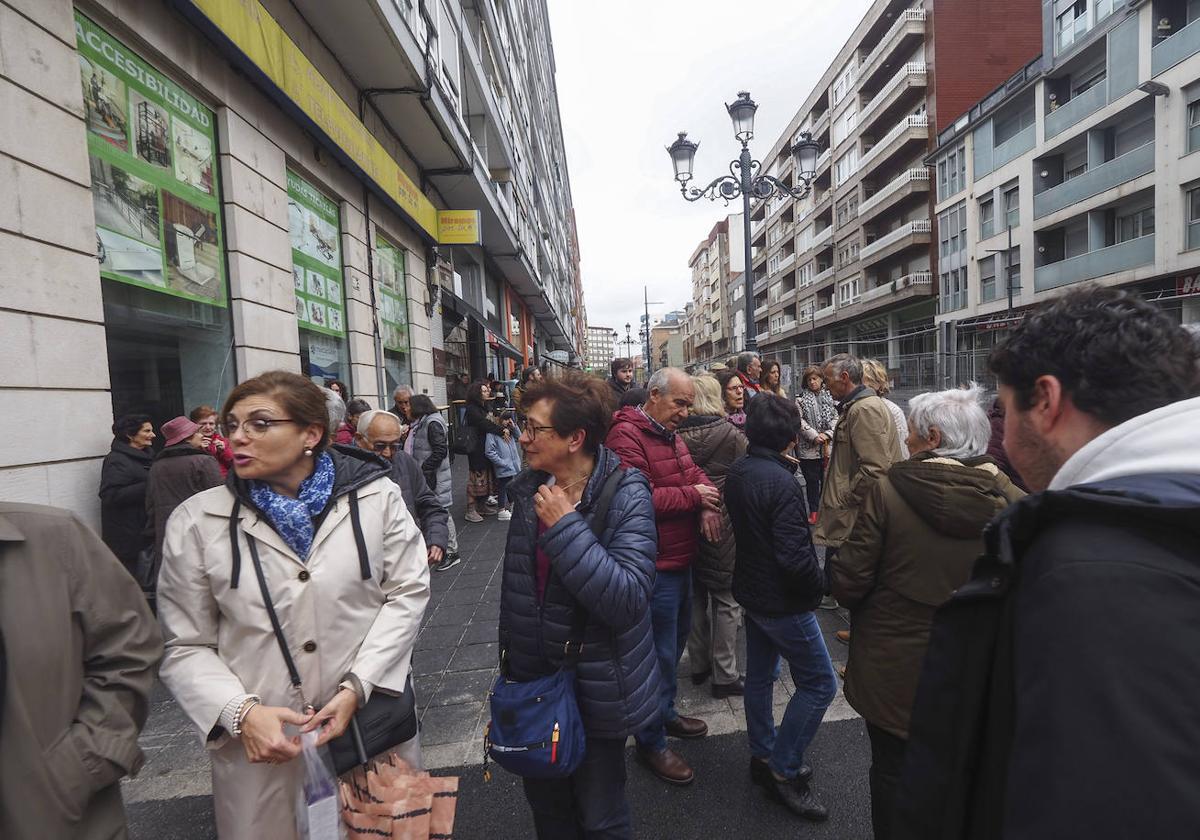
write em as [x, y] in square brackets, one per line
[914, 542]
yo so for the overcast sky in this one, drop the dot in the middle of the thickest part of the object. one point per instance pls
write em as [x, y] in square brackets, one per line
[633, 74]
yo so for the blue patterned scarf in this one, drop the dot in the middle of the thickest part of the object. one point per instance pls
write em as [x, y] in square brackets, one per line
[293, 518]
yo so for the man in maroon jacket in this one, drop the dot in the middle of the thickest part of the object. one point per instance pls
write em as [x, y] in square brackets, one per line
[685, 504]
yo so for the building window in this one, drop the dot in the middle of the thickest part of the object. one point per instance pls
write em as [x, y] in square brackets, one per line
[1193, 122]
[1193, 218]
[987, 279]
[846, 166]
[953, 290]
[847, 253]
[1012, 206]
[987, 217]
[152, 156]
[1016, 119]
[804, 275]
[843, 85]
[952, 173]
[843, 126]
[848, 291]
[1135, 225]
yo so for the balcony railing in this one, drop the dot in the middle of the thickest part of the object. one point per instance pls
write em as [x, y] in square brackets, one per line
[914, 70]
[787, 260]
[907, 177]
[1120, 257]
[822, 237]
[823, 276]
[1075, 109]
[916, 226]
[907, 19]
[762, 337]
[1183, 44]
[760, 310]
[912, 121]
[917, 278]
[1104, 177]
[825, 312]
[823, 159]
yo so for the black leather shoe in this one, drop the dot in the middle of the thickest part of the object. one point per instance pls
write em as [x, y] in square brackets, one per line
[699, 677]
[797, 797]
[734, 689]
[760, 772]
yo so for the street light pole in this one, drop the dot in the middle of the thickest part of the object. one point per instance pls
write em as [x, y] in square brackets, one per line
[746, 182]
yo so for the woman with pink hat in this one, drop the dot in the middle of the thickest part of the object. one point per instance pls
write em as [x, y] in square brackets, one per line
[182, 469]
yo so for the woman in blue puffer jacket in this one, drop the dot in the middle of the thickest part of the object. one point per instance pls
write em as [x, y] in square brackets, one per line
[554, 565]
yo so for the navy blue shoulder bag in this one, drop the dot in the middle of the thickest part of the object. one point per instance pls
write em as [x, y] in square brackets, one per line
[536, 730]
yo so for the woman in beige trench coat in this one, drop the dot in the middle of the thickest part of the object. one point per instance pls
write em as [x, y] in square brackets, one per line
[349, 636]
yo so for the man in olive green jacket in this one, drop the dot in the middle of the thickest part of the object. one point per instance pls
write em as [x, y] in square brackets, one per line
[78, 651]
[865, 444]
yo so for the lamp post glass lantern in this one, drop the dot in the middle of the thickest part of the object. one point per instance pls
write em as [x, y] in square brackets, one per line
[746, 182]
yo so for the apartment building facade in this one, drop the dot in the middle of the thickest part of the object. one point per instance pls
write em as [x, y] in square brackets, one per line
[600, 348]
[400, 163]
[713, 324]
[1082, 168]
[850, 268]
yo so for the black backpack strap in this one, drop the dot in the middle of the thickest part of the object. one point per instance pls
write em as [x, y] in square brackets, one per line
[235, 550]
[599, 514]
[293, 671]
[364, 560]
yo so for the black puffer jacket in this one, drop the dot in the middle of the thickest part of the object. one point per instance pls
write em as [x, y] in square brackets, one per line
[123, 478]
[478, 418]
[714, 445]
[617, 677]
[776, 572]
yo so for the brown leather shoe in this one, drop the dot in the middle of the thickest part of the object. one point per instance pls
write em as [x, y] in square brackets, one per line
[843, 636]
[687, 727]
[668, 765]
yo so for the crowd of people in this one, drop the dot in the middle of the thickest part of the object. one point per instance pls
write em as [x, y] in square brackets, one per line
[1011, 655]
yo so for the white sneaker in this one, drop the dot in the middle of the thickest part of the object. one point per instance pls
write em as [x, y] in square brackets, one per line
[492, 501]
[504, 515]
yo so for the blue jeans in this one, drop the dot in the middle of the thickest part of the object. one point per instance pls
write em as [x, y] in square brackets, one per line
[797, 638]
[671, 618]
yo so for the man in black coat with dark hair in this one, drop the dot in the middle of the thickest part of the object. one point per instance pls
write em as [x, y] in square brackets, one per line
[777, 580]
[1058, 695]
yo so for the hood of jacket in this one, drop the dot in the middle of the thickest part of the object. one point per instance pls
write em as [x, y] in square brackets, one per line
[860, 392]
[953, 497]
[353, 468]
[705, 434]
[1162, 441]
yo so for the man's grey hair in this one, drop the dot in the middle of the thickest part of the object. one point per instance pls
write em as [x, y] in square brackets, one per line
[744, 360]
[958, 415]
[335, 407]
[402, 389]
[849, 364]
[663, 377]
[367, 417]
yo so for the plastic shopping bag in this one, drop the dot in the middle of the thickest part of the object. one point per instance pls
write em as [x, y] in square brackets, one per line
[318, 812]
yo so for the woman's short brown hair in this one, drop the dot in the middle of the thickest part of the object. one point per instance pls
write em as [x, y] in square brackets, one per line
[578, 402]
[200, 412]
[811, 370]
[300, 399]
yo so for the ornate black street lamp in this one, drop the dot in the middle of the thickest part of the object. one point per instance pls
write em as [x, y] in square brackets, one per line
[744, 180]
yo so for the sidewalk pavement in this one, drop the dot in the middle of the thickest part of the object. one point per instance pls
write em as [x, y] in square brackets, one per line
[454, 665]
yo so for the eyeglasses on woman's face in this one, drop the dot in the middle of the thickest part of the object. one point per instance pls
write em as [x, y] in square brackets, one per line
[253, 428]
[532, 430]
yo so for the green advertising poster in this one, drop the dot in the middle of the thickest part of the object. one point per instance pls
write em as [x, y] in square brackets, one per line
[152, 152]
[393, 302]
[316, 258]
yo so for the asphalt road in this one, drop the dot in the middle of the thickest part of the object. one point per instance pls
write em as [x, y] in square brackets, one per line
[721, 802]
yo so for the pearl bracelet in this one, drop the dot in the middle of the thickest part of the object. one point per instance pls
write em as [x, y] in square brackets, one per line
[242, 708]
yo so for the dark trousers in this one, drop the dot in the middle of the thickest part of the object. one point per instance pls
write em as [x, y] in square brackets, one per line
[887, 760]
[502, 490]
[813, 473]
[589, 804]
